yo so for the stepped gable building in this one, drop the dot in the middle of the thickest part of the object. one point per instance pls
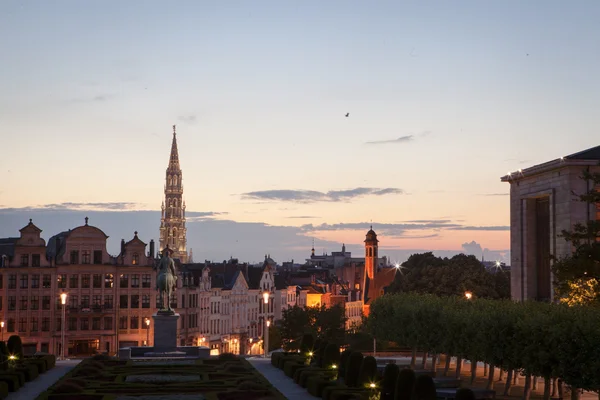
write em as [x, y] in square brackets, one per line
[108, 297]
[542, 204]
[172, 221]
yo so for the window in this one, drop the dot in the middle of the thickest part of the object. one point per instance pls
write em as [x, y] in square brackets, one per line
[23, 305]
[123, 301]
[10, 325]
[173, 300]
[124, 282]
[97, 281]
[62, 281]
[145, 301]
[96, 323]
[74, 257]
[135, 322]
[85, 281]
[45, 324]
[12, 281]
[158, 305]
[135, 281]
[85, 301]
[74, 281]
[34, 324]
[108, 324]
[73, 301]
[85, 324]
[97, 300]
[146, 280]
[108, 301]
[72, 324]
[135, 259]
[86, 257]
[24, 260]
[97, 256]
[45, 302]
[35, 281]
[108, 281]
[35, 303]
[24, 281]
[135, 301]
[12, 303]
[46, 281]
[35, 260]
[22, 324]
[123, 322]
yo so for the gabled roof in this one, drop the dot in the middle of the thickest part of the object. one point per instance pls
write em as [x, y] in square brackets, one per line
[52, 250]
[135, 240]
[30, 227]
[589, 154]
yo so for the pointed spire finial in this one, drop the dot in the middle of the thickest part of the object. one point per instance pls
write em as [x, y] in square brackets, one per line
[30, 221]
[135, 233]
[174, 132]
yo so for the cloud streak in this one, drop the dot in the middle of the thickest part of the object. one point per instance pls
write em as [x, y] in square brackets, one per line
[401, 139]
[313, 196]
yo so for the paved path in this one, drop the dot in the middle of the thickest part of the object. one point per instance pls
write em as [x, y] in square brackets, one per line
[32, 389]
[284, 384]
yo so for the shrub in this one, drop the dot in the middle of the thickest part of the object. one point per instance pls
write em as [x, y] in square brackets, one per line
[41, 365]
[315, 385]
[320, 355]
[353, 368]
[250, 385]
[307, 344]
[425, 388]
[367, 372]
[30, 371]
[11, 380]
[15, 346]
[344, 361]
[3, 390]
[228, 356]
[390, 376]
[72, 385]
[101, 357]
[405, 384]
[331, 356]
[464, 394]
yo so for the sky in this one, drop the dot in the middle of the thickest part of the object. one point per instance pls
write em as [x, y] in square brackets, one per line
[443, 99]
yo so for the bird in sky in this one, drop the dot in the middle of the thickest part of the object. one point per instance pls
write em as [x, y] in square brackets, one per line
[347, 114]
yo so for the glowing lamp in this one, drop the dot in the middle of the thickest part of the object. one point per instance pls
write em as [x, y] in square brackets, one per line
[12, 357]
[266, 297]
[334, 366]
[63, 298]
[372, 385]
[2, 324]
[268, 323]
[310, 353]
[468, 295]
[147, 322]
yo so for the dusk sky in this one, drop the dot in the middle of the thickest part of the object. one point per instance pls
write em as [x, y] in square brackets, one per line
[444, 98]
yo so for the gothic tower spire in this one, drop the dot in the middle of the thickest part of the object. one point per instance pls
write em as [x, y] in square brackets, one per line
[172, 222]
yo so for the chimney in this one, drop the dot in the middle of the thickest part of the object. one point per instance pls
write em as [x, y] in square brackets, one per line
[152, 248]
[122, 247]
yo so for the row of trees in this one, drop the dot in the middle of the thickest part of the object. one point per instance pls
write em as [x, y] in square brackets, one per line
[537, 339]
[324, 323]
[426, 273]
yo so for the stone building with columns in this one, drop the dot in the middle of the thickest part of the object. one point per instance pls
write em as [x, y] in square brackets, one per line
[542, 204]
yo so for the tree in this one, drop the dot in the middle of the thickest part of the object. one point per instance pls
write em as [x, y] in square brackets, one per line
[325, 323]
[576, 276]
[426, 273]
[330, 323]
[294, 324]
[274, 338]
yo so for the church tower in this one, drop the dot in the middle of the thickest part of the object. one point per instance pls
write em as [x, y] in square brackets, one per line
[172, 221]
[371, 253]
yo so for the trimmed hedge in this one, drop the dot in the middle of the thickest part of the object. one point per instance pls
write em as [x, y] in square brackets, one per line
[534, 338]
[353, 369]
[388, 384]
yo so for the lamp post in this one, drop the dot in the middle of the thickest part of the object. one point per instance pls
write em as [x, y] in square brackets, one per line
[147, 331]
[468, 295]
[2, 329]
[266, 329]
[63, 301]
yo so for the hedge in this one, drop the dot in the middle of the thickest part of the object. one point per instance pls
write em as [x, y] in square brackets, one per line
[539, 339]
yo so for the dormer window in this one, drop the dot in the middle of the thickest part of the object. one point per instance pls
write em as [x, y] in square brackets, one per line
[86, 257]
[25, 260]
[74, 257]
[135, 259]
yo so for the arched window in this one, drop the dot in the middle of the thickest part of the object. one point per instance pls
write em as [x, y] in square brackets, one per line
[170, 180]
[175, 180]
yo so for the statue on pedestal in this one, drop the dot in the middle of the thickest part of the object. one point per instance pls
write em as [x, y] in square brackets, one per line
[166, 280]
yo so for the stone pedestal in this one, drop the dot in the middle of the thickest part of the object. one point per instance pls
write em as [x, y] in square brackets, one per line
[165, 332]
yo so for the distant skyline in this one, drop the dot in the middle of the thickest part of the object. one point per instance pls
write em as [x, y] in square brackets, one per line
[443, 99]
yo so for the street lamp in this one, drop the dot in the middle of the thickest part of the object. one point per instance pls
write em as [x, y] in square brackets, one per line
[266, 333]
[468, 295]
[147, 331]
[2, 329]
[63, 301]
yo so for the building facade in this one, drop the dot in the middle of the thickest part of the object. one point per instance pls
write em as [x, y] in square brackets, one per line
[542, 204]
[173, 232]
